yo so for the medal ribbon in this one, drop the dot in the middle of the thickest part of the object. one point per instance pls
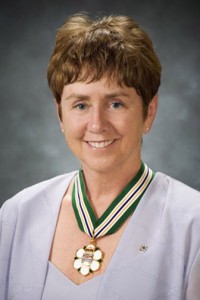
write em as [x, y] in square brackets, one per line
[118, 211]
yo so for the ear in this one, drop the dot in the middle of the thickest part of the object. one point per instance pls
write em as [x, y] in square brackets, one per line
[59, 114]
[151, 113]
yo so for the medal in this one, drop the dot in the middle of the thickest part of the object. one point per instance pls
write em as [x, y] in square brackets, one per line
[89, 258]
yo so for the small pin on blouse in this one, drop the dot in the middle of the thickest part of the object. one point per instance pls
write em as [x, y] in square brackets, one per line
[143, 248]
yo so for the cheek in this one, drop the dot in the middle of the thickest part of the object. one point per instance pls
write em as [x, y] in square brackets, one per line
[130, 126]
[73, 128]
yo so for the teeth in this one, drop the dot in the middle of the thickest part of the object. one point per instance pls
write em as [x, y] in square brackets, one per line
[100, 144]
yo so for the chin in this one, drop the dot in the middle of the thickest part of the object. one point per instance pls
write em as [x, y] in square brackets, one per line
[101, 166]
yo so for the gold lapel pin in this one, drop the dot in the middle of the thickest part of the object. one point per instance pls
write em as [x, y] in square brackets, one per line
[143, 248]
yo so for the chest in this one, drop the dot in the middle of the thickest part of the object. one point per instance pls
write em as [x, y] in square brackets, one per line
[124, 260]
[68, 238]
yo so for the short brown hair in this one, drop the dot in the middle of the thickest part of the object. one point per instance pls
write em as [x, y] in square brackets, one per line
[113, 46]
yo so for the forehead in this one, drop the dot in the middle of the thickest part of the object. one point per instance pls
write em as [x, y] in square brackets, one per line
[104, 87]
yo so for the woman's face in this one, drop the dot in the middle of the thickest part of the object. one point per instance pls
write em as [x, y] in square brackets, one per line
[103, 124]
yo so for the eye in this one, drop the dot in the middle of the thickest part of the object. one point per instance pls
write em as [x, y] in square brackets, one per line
[80, 106]
[116, 105]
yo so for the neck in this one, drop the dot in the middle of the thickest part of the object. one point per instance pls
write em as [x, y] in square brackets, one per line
[103, 187]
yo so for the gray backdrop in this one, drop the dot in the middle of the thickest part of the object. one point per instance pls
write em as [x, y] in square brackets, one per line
[32, 147]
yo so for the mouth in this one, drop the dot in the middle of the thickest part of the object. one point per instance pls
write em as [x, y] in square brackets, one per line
[101, 144]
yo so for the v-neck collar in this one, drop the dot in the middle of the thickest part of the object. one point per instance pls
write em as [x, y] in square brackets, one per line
[41, 237]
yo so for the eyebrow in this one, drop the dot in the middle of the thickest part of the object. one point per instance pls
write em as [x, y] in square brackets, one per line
[106, 96]
[78, 96]
[116, 94]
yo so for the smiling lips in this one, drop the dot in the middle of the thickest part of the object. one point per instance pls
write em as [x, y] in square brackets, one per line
[102, 144]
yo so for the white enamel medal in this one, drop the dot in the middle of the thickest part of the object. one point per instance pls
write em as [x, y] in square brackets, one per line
[88, 259]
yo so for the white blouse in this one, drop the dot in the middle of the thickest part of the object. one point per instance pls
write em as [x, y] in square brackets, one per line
[157, 258]
[58, 286]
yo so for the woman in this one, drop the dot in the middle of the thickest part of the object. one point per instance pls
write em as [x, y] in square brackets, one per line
[114, 229]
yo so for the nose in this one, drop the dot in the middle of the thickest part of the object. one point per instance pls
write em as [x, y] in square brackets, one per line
[97, 120]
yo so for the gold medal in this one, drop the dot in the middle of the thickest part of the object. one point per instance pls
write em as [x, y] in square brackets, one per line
[88, 259]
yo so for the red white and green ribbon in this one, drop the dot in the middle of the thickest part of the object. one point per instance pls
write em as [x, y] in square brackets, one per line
[118, 211]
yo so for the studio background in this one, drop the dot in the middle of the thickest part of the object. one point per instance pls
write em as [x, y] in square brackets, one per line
[32, 148]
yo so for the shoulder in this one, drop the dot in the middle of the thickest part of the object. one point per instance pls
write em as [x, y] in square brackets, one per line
[178, 198]
[179, 207]
[178, 193]
[33, 194]
[176, 208]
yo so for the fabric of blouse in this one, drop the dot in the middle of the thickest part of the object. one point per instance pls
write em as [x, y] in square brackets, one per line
[58, 286]
[158, 256]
